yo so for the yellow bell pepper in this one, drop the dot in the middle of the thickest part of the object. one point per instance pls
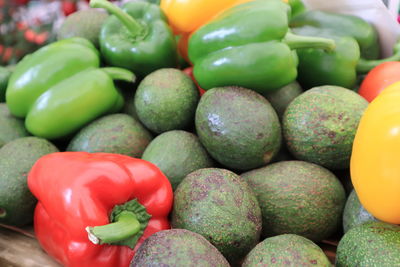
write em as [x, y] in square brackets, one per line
[375, 160]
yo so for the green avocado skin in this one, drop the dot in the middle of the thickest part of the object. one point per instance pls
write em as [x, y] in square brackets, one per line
[298, 197]
[85, 23]
[177, 153]
[238, 127]
[178, 248]
[354, 213]
[116, 133]
[166, 100]
[220, 206]
[11, 127]
[371, 244]
[282, 97]
[286, 250]
[319, 126]
[16, 159]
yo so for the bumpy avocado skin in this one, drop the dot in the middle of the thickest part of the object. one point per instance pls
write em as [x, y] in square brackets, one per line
[319, 126]
[282, 97]
[298, 197]
[286, 250]
[238, 127]
[166, 100]
[354, 213]
[16, 159]
[178, 248]
[370, 244]
[220, 206]
[116, 133]
[85, 23]
[11, 127]
[177, 153]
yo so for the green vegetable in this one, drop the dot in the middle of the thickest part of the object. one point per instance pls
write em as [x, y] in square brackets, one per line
[250, 46]
[137, 38]
[5, 74]
[59, 88]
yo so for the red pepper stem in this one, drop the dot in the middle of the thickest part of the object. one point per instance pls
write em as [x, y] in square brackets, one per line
[125, 226]
[297, 41]
[130, 23]
[120, 74]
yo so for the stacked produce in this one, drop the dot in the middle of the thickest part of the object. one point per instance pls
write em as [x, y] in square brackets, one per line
[238, 127]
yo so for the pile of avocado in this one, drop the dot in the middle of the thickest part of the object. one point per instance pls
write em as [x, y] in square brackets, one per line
[257, 180]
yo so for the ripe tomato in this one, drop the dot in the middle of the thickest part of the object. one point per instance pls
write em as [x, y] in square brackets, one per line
[379, 78]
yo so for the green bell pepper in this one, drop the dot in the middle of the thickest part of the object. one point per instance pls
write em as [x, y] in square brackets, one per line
[339, 67]
[59, 88]
[297, 7]
[5, 74]
[343, 25]
[249, 46]
[137, 38]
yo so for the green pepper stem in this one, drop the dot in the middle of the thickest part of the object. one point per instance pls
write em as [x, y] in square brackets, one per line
[297, 41]
[130, 23]
[365, 65]
[126, 225]
[120, 74]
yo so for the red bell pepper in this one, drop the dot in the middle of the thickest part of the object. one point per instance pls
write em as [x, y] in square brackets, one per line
[114, 200]
[379, 78]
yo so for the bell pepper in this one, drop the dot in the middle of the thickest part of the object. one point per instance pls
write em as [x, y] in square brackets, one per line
[137, 37]
[60, 88]
[343, 25]
[96, 209]
[249, 45]
[5, 74]
[297, 7]
[374, 165]
[340, 67]
[186, 16]
[378, 79]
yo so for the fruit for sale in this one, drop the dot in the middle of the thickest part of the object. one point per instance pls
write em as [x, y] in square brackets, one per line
[11, 127]
[319, 125]
[354, 213]
[137, 37]
[166, 100]
[298, 197]
[286, 250]
[84, 23]
[238, 127]
[178, 248]
[115, 133]
[224, 52]
[370, 244]
[16, 160]
[220, 206]
[177, 153]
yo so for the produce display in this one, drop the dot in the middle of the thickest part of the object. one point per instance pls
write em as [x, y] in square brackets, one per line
[203, 133]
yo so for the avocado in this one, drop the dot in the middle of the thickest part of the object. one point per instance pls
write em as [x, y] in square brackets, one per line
[282, 97]
[11, 127]
[238, 127]
[115, 133]
[178, 248]
[286, 250]
[220, 206]
[354, 213]
[370, 244]
[5, 74]
[16, 159]
[84, 23]
[320, 124]
[298, 197]
[166, 100]
[177, 153]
